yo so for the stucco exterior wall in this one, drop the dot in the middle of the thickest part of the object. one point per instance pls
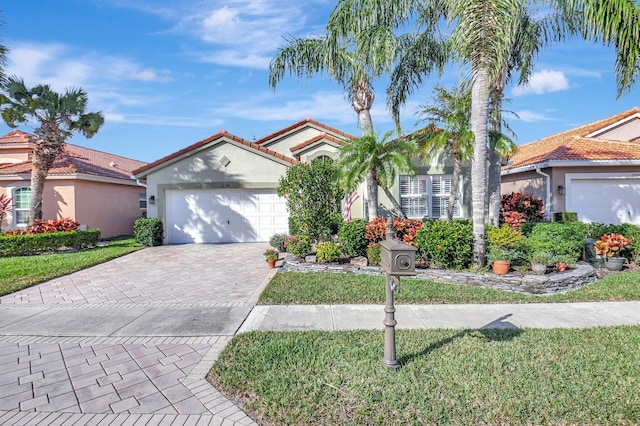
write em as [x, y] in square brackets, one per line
[318, 151]
[111, 208]
[205, 169]
[108, 206]
[527, 183]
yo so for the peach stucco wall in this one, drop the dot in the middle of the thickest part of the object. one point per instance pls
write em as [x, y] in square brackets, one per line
[110, 207]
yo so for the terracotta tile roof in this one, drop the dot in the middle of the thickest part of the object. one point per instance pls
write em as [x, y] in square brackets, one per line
[16, 137]
[321, 137]
[300, 124]
[220, 135]
[74, 159]
[574, 145]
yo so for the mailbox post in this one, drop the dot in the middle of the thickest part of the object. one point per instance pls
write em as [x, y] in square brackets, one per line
[396, 259]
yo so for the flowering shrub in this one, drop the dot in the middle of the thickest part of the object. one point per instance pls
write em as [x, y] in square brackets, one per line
[610, 245]
[404, 229]
[530, 207]
[299, 245]
[279, 242]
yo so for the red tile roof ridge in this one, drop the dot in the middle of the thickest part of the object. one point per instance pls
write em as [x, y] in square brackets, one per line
[316, 139]
[300, 124]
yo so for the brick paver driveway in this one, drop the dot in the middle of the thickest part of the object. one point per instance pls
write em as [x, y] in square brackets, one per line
[129, 341]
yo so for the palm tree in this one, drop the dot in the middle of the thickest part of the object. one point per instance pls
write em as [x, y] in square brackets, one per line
[59, 116]
[3, 61]
[482, 36]
[352, 68]
[380, 159]
[448, 133]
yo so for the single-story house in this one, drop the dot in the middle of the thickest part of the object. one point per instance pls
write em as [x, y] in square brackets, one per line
[223, 188]
[593, 170]
[95, 188]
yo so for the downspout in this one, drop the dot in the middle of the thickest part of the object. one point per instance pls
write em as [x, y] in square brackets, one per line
[547, 203]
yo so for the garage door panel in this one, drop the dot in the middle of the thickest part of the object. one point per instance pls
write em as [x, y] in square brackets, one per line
[605, 200]
[209, 216]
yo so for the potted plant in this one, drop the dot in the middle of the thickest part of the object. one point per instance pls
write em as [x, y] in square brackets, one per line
[502, 242]
[539, 262]
[609, 247]
[563, 261]
[271, 256]
[500, 259]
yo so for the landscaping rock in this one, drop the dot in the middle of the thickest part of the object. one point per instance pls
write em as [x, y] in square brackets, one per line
[359, 261]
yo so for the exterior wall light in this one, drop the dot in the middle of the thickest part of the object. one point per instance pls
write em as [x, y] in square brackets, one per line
[152, 199]
[561, 189]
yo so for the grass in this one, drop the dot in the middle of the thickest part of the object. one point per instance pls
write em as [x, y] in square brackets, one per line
[328, 288]
[19, 272]
[493, 376]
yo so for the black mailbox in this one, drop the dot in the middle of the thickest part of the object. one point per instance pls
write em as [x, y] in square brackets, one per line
[397, 258]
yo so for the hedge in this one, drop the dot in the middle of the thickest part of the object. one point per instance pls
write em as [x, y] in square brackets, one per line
[19, 245]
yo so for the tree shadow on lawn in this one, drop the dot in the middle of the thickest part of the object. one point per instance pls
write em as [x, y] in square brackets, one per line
[497, 330]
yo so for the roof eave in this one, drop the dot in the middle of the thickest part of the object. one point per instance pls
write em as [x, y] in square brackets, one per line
[569, 163]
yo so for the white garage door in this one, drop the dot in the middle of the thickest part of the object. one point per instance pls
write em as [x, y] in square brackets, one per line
[223, 216]
[605, 200]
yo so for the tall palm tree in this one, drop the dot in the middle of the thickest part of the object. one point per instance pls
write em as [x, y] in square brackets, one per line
[448, 133]
[345, 63]
[3, 60]
[482, 34]
[380, 159]
[58, 115]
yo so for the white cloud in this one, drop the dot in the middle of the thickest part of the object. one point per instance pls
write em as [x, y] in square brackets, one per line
[544, 81]
[532, 117]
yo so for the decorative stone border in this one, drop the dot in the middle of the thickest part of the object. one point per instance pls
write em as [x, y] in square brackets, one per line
[583, 274]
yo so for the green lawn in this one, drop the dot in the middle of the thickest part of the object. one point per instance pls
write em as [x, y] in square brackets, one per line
[329, 288]
[20, 272]
[510, 377]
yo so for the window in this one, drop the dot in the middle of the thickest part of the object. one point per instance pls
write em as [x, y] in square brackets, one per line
[143, 200]
[413, 196]
[440, 191]
[427, 196]
[21, 200]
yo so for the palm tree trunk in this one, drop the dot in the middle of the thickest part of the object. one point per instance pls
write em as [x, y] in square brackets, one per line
[49, 143]
[479, 117]
[455, 181]
[495, 164]
[366, 124]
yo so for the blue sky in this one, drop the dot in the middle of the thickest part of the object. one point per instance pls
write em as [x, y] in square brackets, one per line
[168, 73]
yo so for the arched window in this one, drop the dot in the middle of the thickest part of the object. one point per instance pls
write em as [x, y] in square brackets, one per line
[21, 200]
[323, 158]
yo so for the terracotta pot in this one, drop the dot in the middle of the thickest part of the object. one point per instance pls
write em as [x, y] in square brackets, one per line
[501, 267]
[271, 263]
[561, 267]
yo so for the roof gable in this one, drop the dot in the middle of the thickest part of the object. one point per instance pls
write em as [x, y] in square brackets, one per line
[300, 126]
[222, 136]
[321, 139]
[615, 138]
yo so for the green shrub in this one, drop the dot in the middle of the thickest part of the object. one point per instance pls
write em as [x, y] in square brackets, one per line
[503, 236]
[279, 242]
[352, 238]
[327, 252]
[313, 198]
[148, 231]
[299, 245]
[557, 238]
[18, 245]
[446, 244]
[373, 253]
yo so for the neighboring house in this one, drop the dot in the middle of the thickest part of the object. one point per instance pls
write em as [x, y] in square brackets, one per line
[223, 188]
[94, 188]
[593, 170]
